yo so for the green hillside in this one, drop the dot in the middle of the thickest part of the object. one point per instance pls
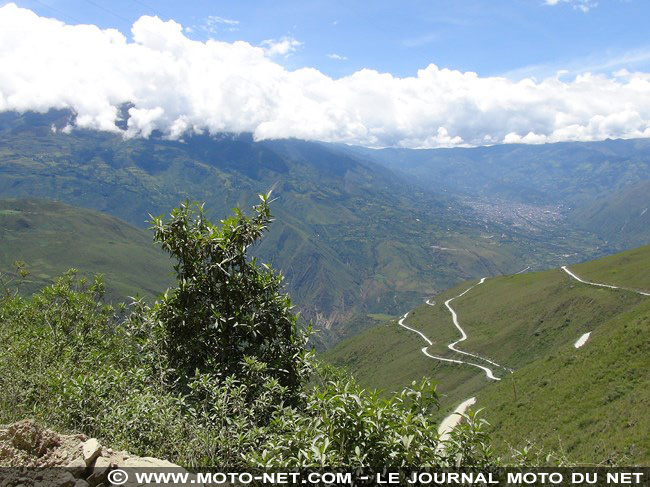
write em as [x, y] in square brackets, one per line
[351, 237]
[52, 237]
[628, 269]
[528, 323]
[592, 402]
[622, 218]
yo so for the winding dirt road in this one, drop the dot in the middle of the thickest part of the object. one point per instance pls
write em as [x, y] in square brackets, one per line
[566, 269]
[454, 317]
[583, 339]
[452, 346]
[451, 421]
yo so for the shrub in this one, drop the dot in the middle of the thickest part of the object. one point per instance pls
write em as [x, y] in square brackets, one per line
[225, 308]
[215, 373]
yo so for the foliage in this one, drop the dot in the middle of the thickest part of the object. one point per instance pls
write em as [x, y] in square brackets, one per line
[113, 373]
[225, 308]
[348, 426]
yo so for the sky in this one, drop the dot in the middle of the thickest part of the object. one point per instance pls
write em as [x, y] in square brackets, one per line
[382, 73]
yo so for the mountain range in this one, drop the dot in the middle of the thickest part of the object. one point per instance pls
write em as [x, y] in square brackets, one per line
[359, 234]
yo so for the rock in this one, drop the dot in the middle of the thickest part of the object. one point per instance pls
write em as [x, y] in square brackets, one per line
[100, 471]
[91, 450]
[25, 435]
[31, 438]
[77, 467]
[147, 462]
[81, 483]
[66, 479]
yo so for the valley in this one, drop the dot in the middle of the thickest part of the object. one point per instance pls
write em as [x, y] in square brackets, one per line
[315, 236]
[353, 238]
[360, 245]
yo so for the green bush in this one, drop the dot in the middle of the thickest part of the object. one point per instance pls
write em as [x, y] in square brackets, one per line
[215, 373]
[225, 307]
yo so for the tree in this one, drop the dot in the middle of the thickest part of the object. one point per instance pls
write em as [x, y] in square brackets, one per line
[226, 308]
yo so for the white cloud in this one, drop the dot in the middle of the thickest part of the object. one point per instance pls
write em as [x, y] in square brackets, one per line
[176, 85]
[582, 5]
[603, 62]
[337, 57]
[281, 47]
[213, 24]
[220, 20]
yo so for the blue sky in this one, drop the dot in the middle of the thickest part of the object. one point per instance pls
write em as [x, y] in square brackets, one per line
[410, 74]
[513, 37]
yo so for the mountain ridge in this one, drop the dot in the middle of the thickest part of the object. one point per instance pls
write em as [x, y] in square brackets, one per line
[353, 238]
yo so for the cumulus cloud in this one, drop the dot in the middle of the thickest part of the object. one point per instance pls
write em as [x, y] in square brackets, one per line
[281, 47]
[177, 85]
[337, 57]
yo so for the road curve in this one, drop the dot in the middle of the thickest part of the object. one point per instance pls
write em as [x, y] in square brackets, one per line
[488, 372]
[566, 269]
[451, 421]
[454, 317]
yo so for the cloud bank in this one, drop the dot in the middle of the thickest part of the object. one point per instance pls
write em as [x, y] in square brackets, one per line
[177, 85]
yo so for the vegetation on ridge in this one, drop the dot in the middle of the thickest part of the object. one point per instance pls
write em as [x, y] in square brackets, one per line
[529, 323]
[214, 373]
[51, 237]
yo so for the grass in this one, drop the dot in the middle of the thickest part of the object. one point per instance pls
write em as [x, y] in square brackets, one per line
[380, 316]
[52, 237]
[592, 402]
[628, 269]
[529, 322]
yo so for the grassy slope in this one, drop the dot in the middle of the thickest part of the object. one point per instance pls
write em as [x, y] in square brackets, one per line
[527, 322]
[511, 320]
[627, 269]
[622, 218]
[592, 402]
[52, 237]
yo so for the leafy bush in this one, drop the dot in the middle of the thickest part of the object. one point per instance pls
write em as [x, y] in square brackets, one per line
[225, 308]
[214, 373]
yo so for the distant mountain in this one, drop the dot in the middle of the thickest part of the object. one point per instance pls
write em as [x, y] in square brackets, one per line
[621, 218]
[570, 173]
[599, 185]
[52, 238]
[354, 238]
[582, 397]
